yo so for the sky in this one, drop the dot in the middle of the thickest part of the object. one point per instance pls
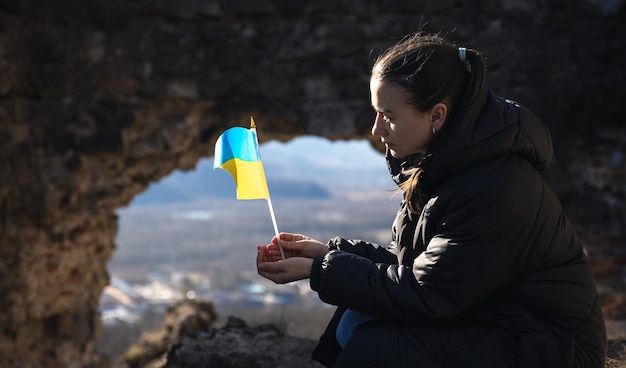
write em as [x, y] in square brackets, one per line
[336, 165]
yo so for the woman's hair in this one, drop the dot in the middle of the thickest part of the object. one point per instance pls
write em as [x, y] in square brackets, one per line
[431, 70]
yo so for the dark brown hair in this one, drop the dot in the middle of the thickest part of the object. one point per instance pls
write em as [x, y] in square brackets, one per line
[431, 70]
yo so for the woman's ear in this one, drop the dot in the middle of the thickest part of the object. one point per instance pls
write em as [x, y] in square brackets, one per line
[438, 115]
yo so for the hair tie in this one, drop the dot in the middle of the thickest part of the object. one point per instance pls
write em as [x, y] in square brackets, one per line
[462, 54]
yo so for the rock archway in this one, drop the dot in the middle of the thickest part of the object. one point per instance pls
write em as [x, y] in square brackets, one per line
[100, 98]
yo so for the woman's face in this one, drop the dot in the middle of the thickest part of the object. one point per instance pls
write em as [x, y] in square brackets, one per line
[402, 128]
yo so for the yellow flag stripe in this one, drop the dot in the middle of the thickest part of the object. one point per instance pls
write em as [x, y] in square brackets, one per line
[249, 177]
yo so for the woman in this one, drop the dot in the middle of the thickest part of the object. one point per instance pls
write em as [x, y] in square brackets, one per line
[484, 269]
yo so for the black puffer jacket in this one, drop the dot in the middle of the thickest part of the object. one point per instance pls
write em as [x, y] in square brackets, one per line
[490, 274]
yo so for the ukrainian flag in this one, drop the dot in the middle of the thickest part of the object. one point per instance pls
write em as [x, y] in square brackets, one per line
[237, 151]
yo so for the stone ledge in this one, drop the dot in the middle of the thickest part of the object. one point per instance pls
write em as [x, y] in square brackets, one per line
[190, 342]
[239, 345]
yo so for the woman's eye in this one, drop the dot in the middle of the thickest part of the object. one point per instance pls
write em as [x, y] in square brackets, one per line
[386, 119]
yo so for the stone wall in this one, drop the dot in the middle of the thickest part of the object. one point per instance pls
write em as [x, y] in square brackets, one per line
[100, 98]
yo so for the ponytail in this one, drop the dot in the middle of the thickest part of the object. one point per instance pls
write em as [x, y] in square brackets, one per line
[477, 69]
[410, 188]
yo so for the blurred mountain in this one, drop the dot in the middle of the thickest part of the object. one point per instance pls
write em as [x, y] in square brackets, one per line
[306, 167]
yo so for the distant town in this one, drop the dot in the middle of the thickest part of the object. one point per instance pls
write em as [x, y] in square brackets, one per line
[126, 302]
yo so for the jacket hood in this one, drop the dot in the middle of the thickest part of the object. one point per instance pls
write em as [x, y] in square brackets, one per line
[491, 127]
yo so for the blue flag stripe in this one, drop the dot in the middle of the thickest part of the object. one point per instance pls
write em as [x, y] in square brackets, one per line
[236, 142]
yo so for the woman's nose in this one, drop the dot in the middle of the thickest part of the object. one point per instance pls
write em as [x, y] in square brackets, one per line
[378, 129]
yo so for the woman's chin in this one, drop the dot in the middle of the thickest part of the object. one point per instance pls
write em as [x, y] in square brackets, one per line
[402, 154]
[396, 154]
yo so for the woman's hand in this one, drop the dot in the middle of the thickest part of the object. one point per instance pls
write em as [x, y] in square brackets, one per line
[296, 245]
[282, 271]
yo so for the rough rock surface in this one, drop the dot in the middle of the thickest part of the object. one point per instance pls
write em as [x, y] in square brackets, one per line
[185, 343]
[239, 345]
[616, 357]
[187, 338]
[100, 98]
[182, 319]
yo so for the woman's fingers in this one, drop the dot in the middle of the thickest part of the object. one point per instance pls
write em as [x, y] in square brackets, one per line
[291, 237]
[297, 245]
[290, 248]
[307, 247]
[294, 245]
[271, 253]
[260, 255]
[273, 271]
[285, 271]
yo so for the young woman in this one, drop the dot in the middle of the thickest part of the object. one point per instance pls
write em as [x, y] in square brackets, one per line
[484, 269]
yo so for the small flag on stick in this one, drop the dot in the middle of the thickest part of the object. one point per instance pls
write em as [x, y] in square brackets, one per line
[237, 151]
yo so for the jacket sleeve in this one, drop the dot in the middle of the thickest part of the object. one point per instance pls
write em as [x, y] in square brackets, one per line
[464, 264]
[449, 278]
[374, 252]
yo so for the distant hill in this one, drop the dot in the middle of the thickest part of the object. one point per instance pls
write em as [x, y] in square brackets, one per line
[205, 181]
[307, 167]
